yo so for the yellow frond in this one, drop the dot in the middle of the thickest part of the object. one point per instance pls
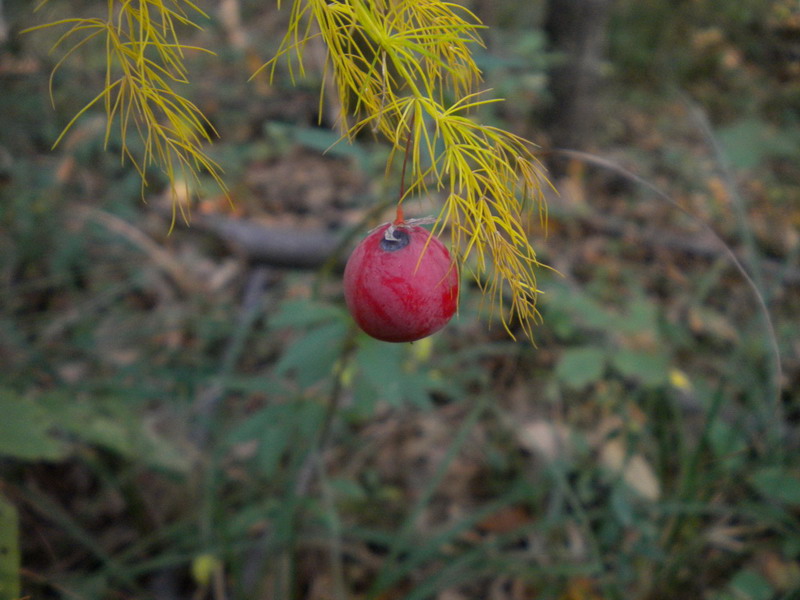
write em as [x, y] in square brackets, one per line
[144, 63]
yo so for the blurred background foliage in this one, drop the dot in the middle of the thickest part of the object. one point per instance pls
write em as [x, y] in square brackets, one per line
[182, 418]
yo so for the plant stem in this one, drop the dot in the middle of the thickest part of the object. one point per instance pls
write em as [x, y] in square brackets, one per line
[399, 220]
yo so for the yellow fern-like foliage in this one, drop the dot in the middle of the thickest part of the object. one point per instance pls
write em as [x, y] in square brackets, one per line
[405, 69]
[144, 66]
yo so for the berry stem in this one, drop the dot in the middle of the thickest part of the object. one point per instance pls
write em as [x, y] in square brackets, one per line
[399, 220]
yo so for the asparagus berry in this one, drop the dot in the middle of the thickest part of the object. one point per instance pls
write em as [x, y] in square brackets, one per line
[401, 284]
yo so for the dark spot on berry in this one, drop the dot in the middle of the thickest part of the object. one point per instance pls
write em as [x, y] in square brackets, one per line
[400, 241]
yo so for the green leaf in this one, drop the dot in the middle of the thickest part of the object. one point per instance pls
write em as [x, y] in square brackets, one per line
[26, 429]
[417, 388]
[9, 550]
[791, 547]
[256, 384]
[34, 428]
[649, 368]
[749, 585]
[750, 141]
[381, 365]
[273, 430]
[582, 309]
[312, 356]
[276, 429]
[118, 427]
[640, 316]
[621, 505]
[134, 440]
[581, 366]
[383, 373]
[348, 489]
[727, 443]
[776, 483]
[303, 313]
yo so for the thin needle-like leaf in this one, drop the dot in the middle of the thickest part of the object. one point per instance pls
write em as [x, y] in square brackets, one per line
[144, 57]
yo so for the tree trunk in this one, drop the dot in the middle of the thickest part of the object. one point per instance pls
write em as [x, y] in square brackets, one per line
[577, 31]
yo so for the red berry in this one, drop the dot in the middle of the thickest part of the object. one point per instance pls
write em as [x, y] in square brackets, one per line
[394, 295]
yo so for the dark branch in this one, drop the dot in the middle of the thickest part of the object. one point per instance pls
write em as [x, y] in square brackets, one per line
[293, 248]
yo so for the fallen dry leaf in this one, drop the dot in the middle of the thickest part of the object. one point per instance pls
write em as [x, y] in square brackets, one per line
[634, 468]
[546, 439]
